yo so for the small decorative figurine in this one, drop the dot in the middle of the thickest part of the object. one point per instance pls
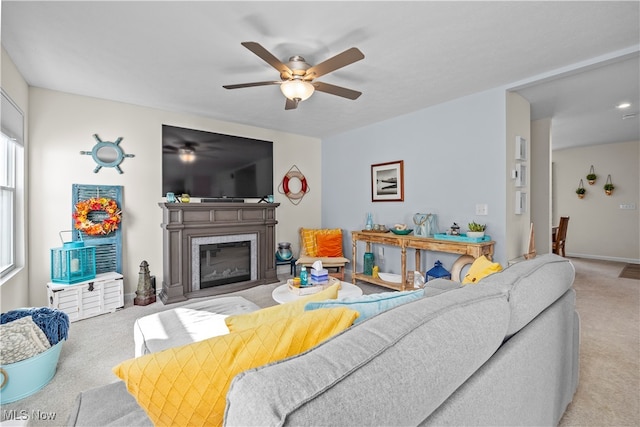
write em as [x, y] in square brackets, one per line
[455, 229]
[369, 224]
[145, 293]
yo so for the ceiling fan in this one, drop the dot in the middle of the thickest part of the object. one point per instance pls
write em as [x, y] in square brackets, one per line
[298, 78]
[186, 152]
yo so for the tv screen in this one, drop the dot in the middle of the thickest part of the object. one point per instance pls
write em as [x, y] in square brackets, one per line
[212, 165]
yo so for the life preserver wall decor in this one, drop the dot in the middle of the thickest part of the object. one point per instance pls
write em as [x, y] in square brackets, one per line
[285, 186]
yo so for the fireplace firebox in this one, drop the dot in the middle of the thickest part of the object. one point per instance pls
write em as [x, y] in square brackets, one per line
[221, 260]
[216, 248]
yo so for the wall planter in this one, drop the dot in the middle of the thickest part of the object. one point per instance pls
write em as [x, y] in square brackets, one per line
[580, 191]
[608, 187]
[591, 176]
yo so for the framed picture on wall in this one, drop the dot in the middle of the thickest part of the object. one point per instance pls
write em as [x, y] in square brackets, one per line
[521, 148]
[387, 182]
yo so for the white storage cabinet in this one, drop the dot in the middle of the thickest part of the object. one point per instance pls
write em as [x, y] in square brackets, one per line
[103, 294]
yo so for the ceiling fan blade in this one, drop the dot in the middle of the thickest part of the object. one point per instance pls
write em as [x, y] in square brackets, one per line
[336, 90]
[268, 57]
[241, 85]
[291, 104]
[343, 59]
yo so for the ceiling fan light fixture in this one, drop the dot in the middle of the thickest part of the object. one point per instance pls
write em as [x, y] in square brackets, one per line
[187, 155]
[623, 105]
[297, 89]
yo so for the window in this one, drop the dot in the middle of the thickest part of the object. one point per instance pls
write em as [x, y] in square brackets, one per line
[11, 183]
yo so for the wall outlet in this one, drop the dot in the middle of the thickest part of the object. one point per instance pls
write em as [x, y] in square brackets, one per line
[482, 209]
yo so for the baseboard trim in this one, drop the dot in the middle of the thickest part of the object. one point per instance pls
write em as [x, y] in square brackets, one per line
[604, 258]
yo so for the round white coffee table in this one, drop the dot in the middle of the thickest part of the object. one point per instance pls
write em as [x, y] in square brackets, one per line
[281, 294]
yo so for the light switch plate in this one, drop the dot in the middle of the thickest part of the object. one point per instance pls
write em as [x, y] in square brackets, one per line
[482, 209]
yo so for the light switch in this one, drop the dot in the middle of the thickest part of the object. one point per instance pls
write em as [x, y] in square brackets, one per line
[482, 209]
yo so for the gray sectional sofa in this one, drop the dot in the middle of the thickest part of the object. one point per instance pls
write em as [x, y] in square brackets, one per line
[501, 352]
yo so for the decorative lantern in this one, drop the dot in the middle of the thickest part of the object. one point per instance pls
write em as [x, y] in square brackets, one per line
[438, 272]
[73, 262]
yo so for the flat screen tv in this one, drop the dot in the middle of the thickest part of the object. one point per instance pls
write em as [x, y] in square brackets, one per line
[212, 165]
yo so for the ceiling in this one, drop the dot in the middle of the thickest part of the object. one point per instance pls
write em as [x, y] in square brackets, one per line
[177, 55]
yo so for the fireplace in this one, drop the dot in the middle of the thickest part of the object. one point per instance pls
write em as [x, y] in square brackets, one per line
[221, 260]
[216, 248]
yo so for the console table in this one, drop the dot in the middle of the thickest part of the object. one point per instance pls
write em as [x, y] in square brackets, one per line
[413, 242]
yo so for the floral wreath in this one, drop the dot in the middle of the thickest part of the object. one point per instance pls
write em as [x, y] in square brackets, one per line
[84, 224]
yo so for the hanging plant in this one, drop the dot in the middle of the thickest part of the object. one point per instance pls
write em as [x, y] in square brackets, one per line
[608, 187]
[591, 176]
[580, 191]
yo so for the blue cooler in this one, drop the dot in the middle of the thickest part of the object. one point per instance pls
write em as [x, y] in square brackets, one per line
[21, 379]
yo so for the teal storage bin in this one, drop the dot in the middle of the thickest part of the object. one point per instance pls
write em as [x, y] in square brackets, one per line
[21, 379]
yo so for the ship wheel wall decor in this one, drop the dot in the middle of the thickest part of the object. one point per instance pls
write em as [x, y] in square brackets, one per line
[294, 185]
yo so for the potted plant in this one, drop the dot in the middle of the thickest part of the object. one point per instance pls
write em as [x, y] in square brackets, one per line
[608, 189]
[591, 177]
[580, 190]
[476, 230]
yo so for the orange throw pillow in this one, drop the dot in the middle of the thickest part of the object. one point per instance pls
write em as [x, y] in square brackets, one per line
[329, 245]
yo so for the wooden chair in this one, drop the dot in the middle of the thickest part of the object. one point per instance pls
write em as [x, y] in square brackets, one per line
[334, 264]
[559, 237]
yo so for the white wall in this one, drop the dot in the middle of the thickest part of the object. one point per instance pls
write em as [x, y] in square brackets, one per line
[598, 228]
[14, 288]
[63, 124]
[454, 158]
[518, 123]
[541, 183]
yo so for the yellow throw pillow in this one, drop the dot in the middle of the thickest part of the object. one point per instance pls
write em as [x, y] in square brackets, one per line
[251, 320]
[308, 239]
[480, 268]
[308, 242]
[188, 385]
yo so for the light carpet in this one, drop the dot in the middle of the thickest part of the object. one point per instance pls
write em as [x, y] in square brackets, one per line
[608, 392]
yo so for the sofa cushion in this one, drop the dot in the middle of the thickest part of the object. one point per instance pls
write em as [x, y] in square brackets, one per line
[532, 286]
[369, 305]
[428, 347]
[186, 324]
[107, 406]
[326, 261]
[293, 308]
[439, 286]
[187, 385]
